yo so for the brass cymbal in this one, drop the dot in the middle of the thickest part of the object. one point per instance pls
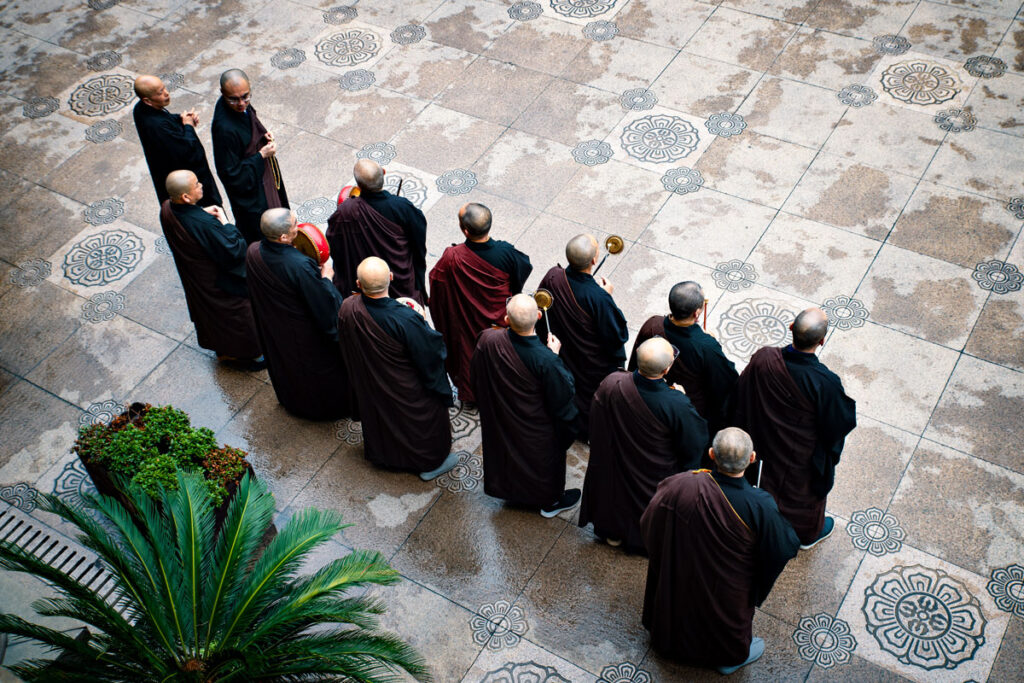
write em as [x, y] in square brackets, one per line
[544, 299]
[614, 244]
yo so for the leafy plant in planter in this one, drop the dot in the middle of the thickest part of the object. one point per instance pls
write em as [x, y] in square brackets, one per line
[198, 605]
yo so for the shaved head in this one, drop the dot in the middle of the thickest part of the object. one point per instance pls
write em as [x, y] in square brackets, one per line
[581, 251]
[369, 175]
[232, 77]
[475, 219]
[685, 299]
[809, 329]
[276, 223]
[522, 314]
[374, 276]
[179, 183]
[732, 447]
[147, 86]
[654, 357]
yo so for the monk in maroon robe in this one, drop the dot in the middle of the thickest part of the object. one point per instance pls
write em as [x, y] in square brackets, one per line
[378, 223]
[296, 310]
[468, 290]
[586, 319]
[397, 362]
[641, 431]
[209, 254]
[716, 546]
[798, 414]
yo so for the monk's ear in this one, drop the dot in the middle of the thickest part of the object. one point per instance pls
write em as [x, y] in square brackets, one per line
[507, 323]
[753, 457]
[711, 454]
[391, 277]
[359, 285]
[539, 314]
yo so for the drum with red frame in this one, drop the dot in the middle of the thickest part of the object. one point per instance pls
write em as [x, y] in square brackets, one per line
[346, 192]
[311, 242]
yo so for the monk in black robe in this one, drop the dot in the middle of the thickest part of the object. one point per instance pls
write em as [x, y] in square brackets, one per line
[296, 310]
[527, 413]
[397, 362]
[586, 319]
[245, 155]
[641, 431]
[469, 287]
[209, 254]
[716, 546]
[701, 368]
[378, 223]
[798, 414]
[169, 140]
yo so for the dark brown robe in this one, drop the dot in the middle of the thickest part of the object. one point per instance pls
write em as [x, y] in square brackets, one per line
[631, 451]
[357, 231]
[223, 321]
[524, 459]
[405, 426]
[699, 599]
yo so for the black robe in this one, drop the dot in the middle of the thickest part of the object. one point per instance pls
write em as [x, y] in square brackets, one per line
[397, 362]
[210, 259]
[401, 211]
[505, 258]
[524, 439]
[711, 562]
[701, 368]
[592, 330]
[170, 145]
[797, 413]
[296, 314]
[641, 431]
[248, 178]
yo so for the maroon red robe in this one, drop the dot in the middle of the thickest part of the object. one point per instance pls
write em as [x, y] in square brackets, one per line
[305, 368]
[405, 426]
[783, 425]
[357, 231]
[223, 321]
[699, 599]
[467, 296]
[631, 451]
[524, 459]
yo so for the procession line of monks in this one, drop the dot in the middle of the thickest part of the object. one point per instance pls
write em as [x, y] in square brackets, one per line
[672, 436]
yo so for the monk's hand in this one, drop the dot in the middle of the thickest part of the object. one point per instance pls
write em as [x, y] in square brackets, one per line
[327, 269]
[268, 136]
[554, 344]
[606, 285]
[217, 213]
[268, 150]
[190, 118]
[677, 387]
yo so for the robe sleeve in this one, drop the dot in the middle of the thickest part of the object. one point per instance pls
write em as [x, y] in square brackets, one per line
[321, 297]
[689, 433]
[177, 141]
[520, 273]
[720, 378]
[559, 391]
[611, 327]
[837, 416]
[427, 352]
[224, 244]
[416, 230]
[241, 176]
[777, 543]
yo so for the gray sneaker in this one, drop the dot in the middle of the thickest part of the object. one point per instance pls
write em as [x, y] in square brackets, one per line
[451, 461]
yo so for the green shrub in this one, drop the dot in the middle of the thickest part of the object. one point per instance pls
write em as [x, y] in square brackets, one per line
[157, 474]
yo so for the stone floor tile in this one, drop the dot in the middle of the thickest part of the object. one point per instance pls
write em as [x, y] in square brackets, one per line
[643, 20]
[105, 256]
[95, 172]
[584, 602]
[525, 661]
[583, 14]
[7, 380]
[861, 18]
[36, 430]
[422, 69]
[102, 360]
[510, 219]
[984, 161]
[740, 38]
[748, 316]
[899, 386]
[886, 137]
[90, 33]
[33, 67]
[755, 167]
[313, 166]
[354, 45]
[708, 227]
[921, 82]
[851, 195]
[857, 669]
[998, 336]
[981, 405]
[826, 59]
[619, 64]
[873, 461]
[702, 86]
[542, 44]
[1011, 49]
[33, 322]
[1003, 8]
[34, 147]
[279, 25]
[922, 296]
[613, 197]
[810, 259]
[793, 11]
[471, 547]
[469, 26]
[659, 139]
[792, 111]
[997, 104]
[525, 168]
[644, 277]
[954, 32]
[389, 15]
[494, 91]
[1010, 660]
[570, 113]
[439, 139]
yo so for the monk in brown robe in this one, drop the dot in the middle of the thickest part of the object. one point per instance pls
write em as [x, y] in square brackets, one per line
[798, 414]
[586, 319]
[701, 368]
[526, 412]
[378, 223]
[296, 310]
[209, 254]
[641, 431]
[397, 362]
[716, 547]
[469, 287]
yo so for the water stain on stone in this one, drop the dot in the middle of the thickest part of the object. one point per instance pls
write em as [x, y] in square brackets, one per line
[460, 30]
[637, 20]
[766, 46]
[977, 421]
[976, 29]
[962, 151]
[999, 334]
[938, 310]
[953, 229]
[792, 268]
[802, 57]
[861, 63]
[769, 97]
[859, 197]
[798, 14]
[841, 14]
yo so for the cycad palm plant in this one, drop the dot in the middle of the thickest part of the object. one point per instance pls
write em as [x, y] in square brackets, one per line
[195, 604]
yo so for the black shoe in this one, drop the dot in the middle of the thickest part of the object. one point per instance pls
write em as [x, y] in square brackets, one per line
[826, 531]
[569, 499]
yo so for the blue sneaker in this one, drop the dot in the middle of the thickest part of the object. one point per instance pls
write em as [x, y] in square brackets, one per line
[826, 530]
[756, 650]
[450, 462]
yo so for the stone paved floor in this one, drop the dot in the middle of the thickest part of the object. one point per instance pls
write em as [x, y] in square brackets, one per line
[863, 155]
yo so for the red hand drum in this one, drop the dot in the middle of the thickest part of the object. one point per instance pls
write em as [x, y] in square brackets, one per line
[311, 242]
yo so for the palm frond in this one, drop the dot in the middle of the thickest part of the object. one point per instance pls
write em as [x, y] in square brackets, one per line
[360, 655]
[276, 626]
[192, 518]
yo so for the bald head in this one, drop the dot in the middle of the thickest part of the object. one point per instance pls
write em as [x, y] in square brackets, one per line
[522, 314]
[277, 223]
[369, 175]
[147, 86]
[809, 329]
[732, 448]
[685, 299]
[233, 77]
[475, 219]
[581, 251]
[373, 276]
[180, 183]
[654, 357]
